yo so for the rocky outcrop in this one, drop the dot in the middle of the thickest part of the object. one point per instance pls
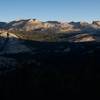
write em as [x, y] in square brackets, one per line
[25, 25]
[82, 38]
[96, 23]
[33, 24]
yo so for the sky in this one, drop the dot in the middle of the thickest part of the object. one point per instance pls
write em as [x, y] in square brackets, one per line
[61, 10]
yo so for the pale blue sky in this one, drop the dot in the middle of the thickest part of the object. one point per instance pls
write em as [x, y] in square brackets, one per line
[62, 10]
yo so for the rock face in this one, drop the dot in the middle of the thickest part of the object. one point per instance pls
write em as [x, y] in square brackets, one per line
[25, 25]
[10, 44]
[96, 23]
[82, 38]
[33, 24]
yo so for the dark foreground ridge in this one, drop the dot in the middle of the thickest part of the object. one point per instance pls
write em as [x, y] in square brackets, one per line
[52, 68]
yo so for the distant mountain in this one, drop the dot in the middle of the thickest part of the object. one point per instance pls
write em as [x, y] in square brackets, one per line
[34, 24]
[52, 30]
[25, 25]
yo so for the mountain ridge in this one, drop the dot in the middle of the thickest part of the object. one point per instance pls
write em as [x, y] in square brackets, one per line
[34, 29]
[24, 24]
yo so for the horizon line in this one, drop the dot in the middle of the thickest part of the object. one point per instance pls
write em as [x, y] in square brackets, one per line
[61, 20]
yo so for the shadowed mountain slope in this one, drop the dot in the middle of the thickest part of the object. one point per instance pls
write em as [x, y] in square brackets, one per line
[49, 58]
